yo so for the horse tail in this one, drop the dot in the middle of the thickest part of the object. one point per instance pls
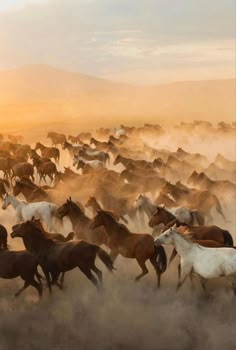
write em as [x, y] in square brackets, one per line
[219, 208]
[173, 255]
[70, 236]
[160, 257]
[105, 258]
[228, 240]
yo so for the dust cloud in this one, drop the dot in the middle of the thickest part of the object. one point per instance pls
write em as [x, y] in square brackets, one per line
[124, 315]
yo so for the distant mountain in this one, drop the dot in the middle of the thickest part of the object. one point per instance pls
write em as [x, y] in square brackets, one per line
[40, 92]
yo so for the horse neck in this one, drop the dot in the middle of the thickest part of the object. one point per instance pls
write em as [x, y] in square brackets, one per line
[168, 217]
[15, 202]
[111, 226]
[182, 246]
[76, 216]
[36, 244]
[148, 206]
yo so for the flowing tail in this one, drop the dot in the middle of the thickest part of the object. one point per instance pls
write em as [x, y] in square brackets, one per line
[105, 258]
[228, 240]
[161, 258]
[70, 236]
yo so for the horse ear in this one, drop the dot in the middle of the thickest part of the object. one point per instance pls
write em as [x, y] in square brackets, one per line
[70, 199]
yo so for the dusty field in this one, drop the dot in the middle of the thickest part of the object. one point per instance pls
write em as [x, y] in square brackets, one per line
[126, 315]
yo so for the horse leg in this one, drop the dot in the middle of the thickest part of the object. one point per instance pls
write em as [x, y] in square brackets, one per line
[47, 275]
[38, 286]
[87, 272]
[185, 271]
[203, 282]
[62, 279]
[98, 273]
[143, 266]
[26, 285]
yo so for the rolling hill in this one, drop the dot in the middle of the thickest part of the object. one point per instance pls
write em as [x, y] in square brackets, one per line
[38, 93]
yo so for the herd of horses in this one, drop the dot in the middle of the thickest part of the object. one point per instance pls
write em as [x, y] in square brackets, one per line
[121, 186]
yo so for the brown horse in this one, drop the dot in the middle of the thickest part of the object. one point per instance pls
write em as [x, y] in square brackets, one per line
[204, 201]
[131, 245]
[54, 236]
[3, 237]
[93, 203]
[164, 216]
[31, 191]
[45, 168]
[19, 264]
[81, 223]
[48, 152]
[57, 257]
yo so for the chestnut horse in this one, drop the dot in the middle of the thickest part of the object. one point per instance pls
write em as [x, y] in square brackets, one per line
[131, 245]
[58, 257]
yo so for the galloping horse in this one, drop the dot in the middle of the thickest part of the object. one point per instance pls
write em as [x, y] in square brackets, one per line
[58, 257]
[207, 263]
[131, 245]
[45, 211]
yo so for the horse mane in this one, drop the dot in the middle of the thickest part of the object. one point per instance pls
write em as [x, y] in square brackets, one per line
[186, 234]
[111, 215]
[39, 231]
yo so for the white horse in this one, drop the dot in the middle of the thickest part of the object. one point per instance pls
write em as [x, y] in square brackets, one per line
[93, 163]
[207, 263]
[44, 211]
[182, 214]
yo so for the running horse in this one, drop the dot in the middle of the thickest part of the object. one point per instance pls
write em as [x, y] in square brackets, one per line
[131, 245]
[59, 257]
[206, 262]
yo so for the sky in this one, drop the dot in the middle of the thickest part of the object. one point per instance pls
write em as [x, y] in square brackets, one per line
[134, 41]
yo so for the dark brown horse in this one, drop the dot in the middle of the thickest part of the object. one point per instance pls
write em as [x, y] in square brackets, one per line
[57, 257]
[81, 223]
[3, 237]
[48, 152]
[131, 245]
[55, 236]
[18, 264]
